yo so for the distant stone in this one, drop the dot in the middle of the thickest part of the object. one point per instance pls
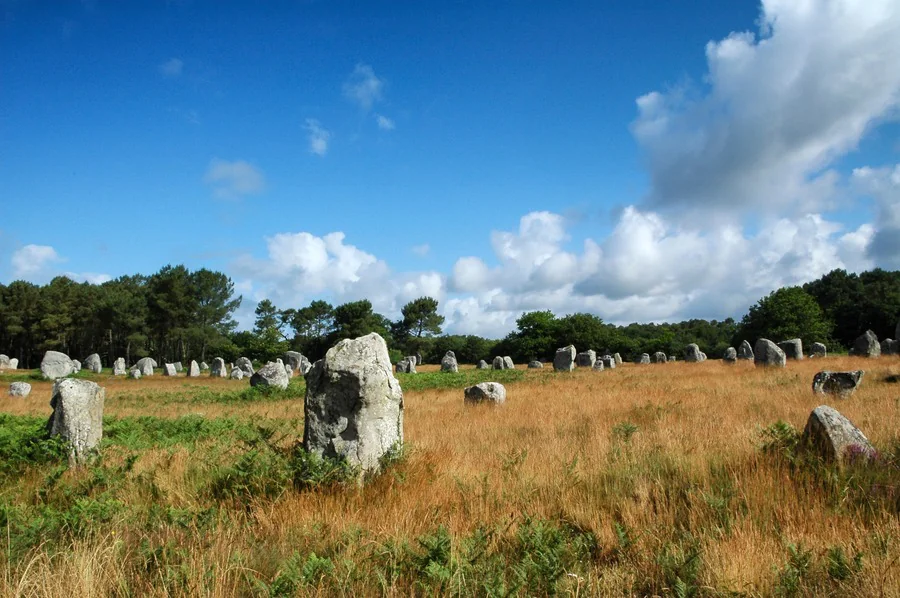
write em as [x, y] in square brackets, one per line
[77, 417]
[56, 365]
[834, 437]
[237, 374]
[245, 365]
[178, 367]
[486, 392]
[730, 355]
[768, 354]
[482, 365]
[598, 365]
[134, 373]
[642, 359]
[692, 353]
[498, 363]
[837, 383]
[793, 349]
[609, 362]
[535, 365]
[77, 365]
[193, 370]
[288, 370]
[890, 346]
[745, 351]
[586, 359]
[297, 361]
[146, 366]
[660, 357]
[866, 345]
[407, 365]
[618, 358]
[272, 374]
[218, 370]
[672, 359]
[204, 367]
[354, 404]
[564, 360]
[19, 389]
[818, 350]
[93, 364]
[119, 368]
[169, 370]
[448, 363]
[508, 362]
[4, 362]
[13, 364]
[419, 359]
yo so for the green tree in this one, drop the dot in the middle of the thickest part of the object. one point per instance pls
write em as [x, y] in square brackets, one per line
[787, 313]
[355, 319]
[421, 318]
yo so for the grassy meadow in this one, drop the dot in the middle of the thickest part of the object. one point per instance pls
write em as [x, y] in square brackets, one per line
[671, 480]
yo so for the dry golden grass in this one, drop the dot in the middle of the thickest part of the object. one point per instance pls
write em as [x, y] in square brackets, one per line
[550, 453]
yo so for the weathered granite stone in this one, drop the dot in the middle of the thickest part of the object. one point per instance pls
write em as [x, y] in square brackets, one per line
[672, 359]
[643, 359]
[146, 366]
[598, 365]
[564, 360]
[660, 357]
[768, 354]
[193, 370]
[237, 374]
[834, 437]
[866, 345]
[487, 392]
[609, 362]
[272, 374]
[134, 373]
[77, 365]
[407, 365]
[730, 355]
[119, 368]
[483, 365]
[13, 364]
[586, 359]
[92, 363]
[244, 365]
[842, 384]
[56, 365]
[890, 347]
[535, 365]
[77, 417]
[4, 362]
[793, 348]
[745, 351]
[204, 367]
[448, 362]
[297, 361]
[498, 363]
[818, 350]
[169, 369]
[618, 358]
[692, 353]
[218, 369]
[19, 389]
[508, 362]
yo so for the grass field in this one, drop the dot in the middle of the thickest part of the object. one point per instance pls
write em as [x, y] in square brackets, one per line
[673, 479]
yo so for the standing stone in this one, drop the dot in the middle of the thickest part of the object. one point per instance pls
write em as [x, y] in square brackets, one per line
[730, 355]
[793, 349]
[745, 351]
[837, 383]
[56, 365]
[818, 350]
[535, 365]
[134, 374]
[237, 374]
[419, 359]
[244, 365]
[354, 405]
[204, 366]
[288, 370]
[448, 363]
[866, 345]
[564, 360]
[598, 365]
[508, 362]
[890, 346]
[660, 357]
[218, 369]
[486, 392]
[4, 362]
[77, 417]
[618, 358]
[13, 364]
[271, 374]
[609, 362]
[193, 370]
[169, 370]
[692, 353]
[498, 363]
[92, 363]
[77, 365]
[672, 359]
[834, 438]
[586, 359]
[482, 365]
[297, 361]
[119, 368]
[146, 366]
[178, 367]
[407, 365]
[768, 354]
[643, 359]
[19, 389]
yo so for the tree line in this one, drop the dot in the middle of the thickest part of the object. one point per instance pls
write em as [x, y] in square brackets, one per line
[177, 315]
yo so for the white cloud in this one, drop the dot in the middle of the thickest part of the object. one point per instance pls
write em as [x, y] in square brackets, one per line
[421, 250]
[171, 67]
[32, 261]
[234, 179]
[89, 277]
[318, 137]
[363, 87]
[883, 184]
[385, 123]
[777, 109]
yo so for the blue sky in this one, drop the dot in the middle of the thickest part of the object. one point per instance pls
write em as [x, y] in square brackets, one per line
[642, 161]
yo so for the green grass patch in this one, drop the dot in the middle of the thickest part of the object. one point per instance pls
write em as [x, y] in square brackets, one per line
[461, 379]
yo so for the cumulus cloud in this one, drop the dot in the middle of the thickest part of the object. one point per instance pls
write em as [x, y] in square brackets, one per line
[171, 67]
[363, 87]
[32, 261]
[777, 109]
[89, 277]
[318, 137]
[385, 123]
[234, 179]
[882, 184]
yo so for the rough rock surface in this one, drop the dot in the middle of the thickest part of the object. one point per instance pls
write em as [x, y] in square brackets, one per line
[119, 368]
[4, 362]
[407, 365]
[834, 437]
[271, 374]
[297, 361]
[448, 362]
[146, 366]
[204, 366]
[672, 359]
[169, 370]
[508, 362]
[134, 374]
[92, 363]
[609, 362]
[890, 347]
[642, 359]
[498, 363]
[793, 348]
[486, 392]
[56, 365]
[19, 389]
[237, 374]
[598, 365]
[837, 383]
[586, 359]
[178, 367]
[768, 354]
[354, 405]
[618, 358]
[193, 370]
[660, 357]
[692, 353]
[866, 345]
[535, 365]
[818, 350]
[564, 360]
[483, 365]
[218, 369]
[245, 365]
[745, 351]
[730, 355]
[288, 370]
[13, 364]
[77, 417]
[419, 359]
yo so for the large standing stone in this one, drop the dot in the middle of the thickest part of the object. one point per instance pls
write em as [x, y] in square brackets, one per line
[119, 368]
[134, 373]
[92, 363]
[297, 361]
[818, 350]
[586, 359]
[288, 370]
[407, 365]
[204, 366]
[146, 366]
[448, 363]
[793, 348]
[178, 367]
[692, 353]
[19, 389]
[672, 359]
[598, 365]
[77, 365]
[354, 405]
[564, 360]
[13, 364]
[482, 365]
[745, 351]
[660, 357]
[766, 353]
[535, 365]
[837, 383]
[419, 359]
[834, 438]
[77, 417]
[244, 365]
[618, 358]
[237, 374]
[498, 363]
[56, 365]
[508, 362]
[866, 345]
[193, 370]
[730, 355]
[486, 392]
[642, 359]
[609, 362]
[218, 369]
[169, 369]
[890, 347]
[4, 362]
[271, 374]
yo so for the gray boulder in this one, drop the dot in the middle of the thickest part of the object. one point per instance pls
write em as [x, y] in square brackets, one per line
[119, 368]
[660, 357]
[598, 365]
[834, 437]
[19, 389]
[866, 345]
[419, 359]
[271, 374]
[842, 384]
[178, 367]
[818, 350]
[586, 359]
[237, 374]
[146, 366]
[56, 365]
[618, 358]
[564, 360]
[288, 370]
[354, 405]
[643, 359]
[482, 365]
[169, 370]
[535, 365]
[890, 346]
[134, 373]
[4, 362]
[692, 353]
[448, 363]
[508, 362]
[13, 364]
[672, 359]
[498, 363]
[793, 348]
[730, 355]
[768, 354]
[609, 362]
[77, 417]
[92, 363]
[486, 392]
[745, 351]
[204, 367]
[193, 370]
[244, 365]
[297, 361]
[407, 365]
[218, 369]
[77, 365]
